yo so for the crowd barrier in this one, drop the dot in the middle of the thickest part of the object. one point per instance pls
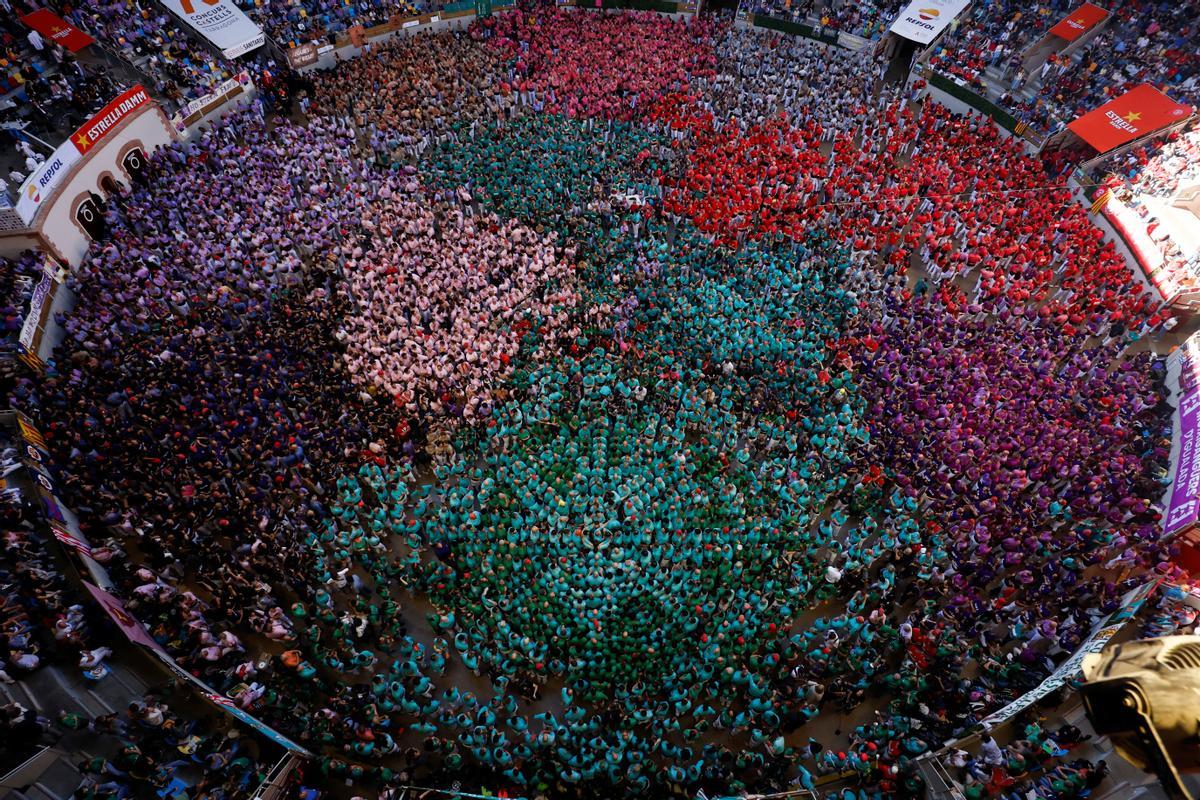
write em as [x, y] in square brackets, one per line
[976, 101]
[198, 110]
[794, 28]
[661, 6]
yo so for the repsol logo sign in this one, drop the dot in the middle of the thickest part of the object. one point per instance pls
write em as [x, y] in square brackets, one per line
[920, 23]
[50, 172]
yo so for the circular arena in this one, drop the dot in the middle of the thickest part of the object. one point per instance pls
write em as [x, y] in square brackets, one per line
[557, 402]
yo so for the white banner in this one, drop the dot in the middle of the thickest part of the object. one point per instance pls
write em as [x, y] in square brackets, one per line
[221, 22]
[923, 20]
[215, 96]
[37, 302]
[40, 184]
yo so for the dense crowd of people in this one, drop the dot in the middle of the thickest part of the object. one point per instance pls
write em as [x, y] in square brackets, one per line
[44, 620]
[584, 403]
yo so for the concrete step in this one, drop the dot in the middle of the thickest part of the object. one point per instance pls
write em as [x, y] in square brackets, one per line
[17, 693]
[112, 692]
[61, 780]
[35, 793]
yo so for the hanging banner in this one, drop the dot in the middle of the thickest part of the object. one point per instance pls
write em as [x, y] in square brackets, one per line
[1067, 670]
[1141, 110]
[922, 20]
[68, 539]
[232, 708]
[1188, 359]
[220, 22]
[1079, 22]
[128, 624]
[41, 183]
[303, 55]
[37, 303]
[218, 96]
[96, 128]
[31, 434]
[1185, 488]
[58, 30]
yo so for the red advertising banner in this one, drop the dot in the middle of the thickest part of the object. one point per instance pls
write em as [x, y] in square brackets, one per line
[97, 127]
[58, 30]
[1141, 110]
[1079, 22]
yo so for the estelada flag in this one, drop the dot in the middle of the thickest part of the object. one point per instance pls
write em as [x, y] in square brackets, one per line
[57, 29]
[1079, 22]
[1141, 110]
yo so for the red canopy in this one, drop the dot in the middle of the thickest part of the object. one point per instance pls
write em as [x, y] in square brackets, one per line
[58, 30]
[1079, 22]
[1139, 111]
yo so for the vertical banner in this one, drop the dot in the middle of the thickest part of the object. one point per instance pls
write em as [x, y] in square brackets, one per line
[1188, 356]
[922, 20]
[220, 22]
[1182, 511]
[37, 303]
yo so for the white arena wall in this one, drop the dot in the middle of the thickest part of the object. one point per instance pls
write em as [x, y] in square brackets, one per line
[54, 229]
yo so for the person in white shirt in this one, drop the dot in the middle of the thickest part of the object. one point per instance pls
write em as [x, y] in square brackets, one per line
[993, 754]
[36, 41]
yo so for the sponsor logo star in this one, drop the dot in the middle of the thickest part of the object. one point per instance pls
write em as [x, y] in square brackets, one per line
[82, 141]
[1132, 116]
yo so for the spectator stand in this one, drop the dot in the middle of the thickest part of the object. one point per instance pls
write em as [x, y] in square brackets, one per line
[52, 98]
[1059, 42]
[310, 56]
[962, 99]
[864, 21]
[825, 30]
[952, 90]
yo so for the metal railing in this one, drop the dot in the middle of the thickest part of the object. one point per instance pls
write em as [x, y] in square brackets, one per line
[274, 785]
